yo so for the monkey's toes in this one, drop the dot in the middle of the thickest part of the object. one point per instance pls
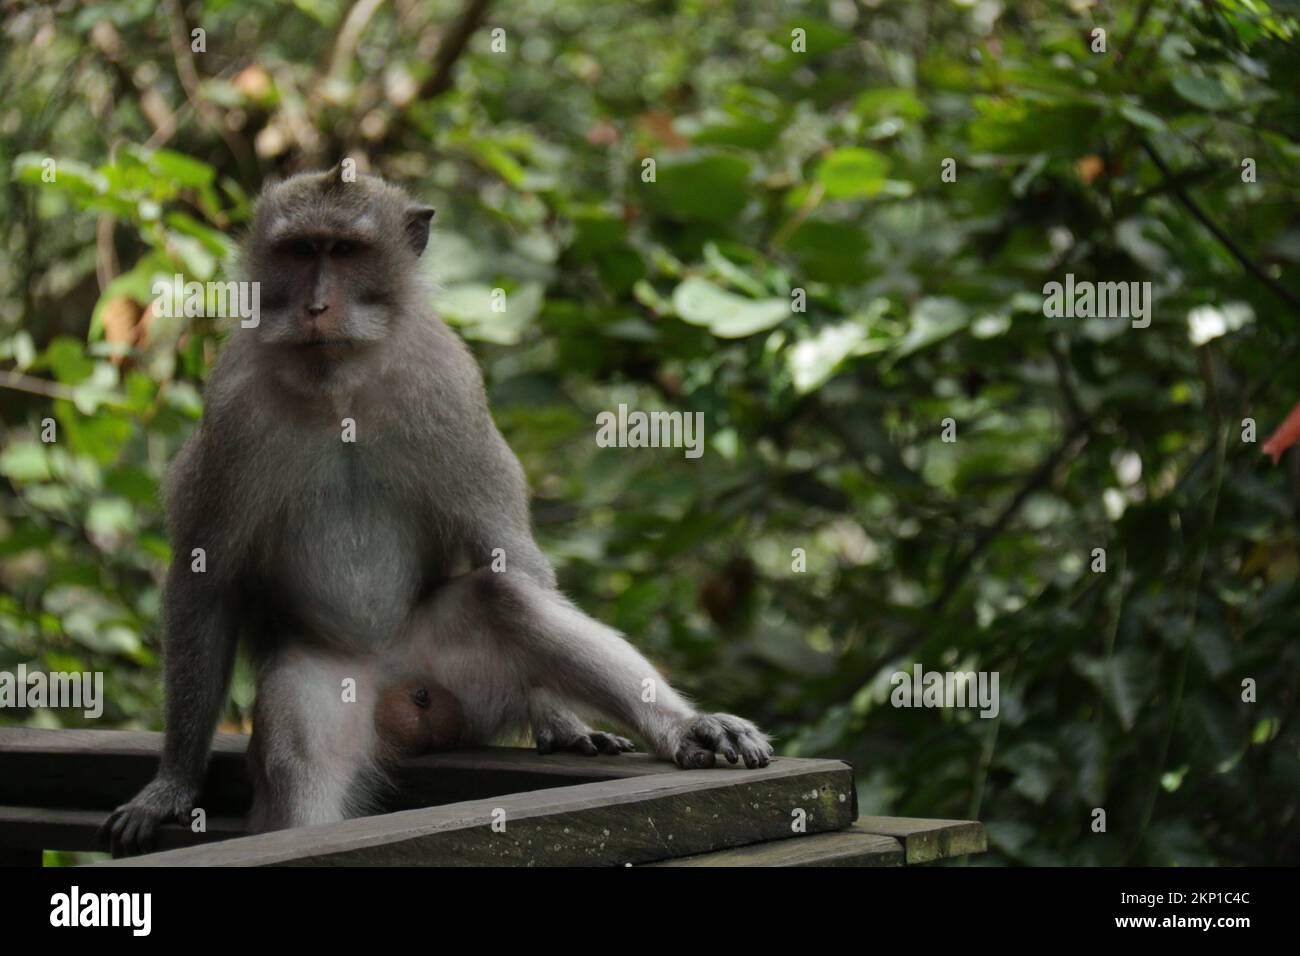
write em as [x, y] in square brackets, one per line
[611, 743]
[591, 743]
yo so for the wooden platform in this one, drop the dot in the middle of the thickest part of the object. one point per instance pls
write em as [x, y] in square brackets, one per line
[57, 787]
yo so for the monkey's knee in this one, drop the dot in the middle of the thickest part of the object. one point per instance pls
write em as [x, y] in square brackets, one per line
[415, 716]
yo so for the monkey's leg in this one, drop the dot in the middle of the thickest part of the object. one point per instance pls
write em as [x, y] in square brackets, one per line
[561, 648]
[315, 752]
[557, 727]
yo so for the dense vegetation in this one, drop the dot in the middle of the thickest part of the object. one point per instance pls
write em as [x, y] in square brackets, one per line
[797, 146]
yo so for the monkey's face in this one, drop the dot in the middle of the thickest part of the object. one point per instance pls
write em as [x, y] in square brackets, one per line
[325, 293]
[335, 261]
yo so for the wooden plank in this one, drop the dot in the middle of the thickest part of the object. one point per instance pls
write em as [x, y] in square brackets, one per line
[927, 840]
[484, 772]
[78, 769]
[843, 848]
[83, 769]
[39, 828]
[633, 820]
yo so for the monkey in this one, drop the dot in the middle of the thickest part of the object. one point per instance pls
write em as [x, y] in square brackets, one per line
[366, 535]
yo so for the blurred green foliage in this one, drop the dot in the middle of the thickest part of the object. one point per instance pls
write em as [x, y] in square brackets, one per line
[775, 171]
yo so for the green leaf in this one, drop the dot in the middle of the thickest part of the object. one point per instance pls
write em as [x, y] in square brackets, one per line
[933, 320]
[470, 306]
[26, 461]
[814, 360]
[706, 188]
[1122, 679]
[184, 170]
[726, 314]
[1203, 91]
[67, 359]
[853, 173]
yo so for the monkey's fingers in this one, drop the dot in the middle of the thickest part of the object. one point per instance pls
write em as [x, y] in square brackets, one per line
[130, 841]
[754, 750]
[129, 831]
[104, 835]
[121, 832]
[732, 737]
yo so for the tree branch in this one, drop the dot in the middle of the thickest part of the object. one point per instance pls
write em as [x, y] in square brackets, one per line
[1068, 449]
[1247, 263]
[452, 46]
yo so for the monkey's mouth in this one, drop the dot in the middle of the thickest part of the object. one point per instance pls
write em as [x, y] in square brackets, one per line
[327, 348]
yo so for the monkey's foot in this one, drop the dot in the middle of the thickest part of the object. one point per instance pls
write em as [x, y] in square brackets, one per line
[132, 828]
[707, 735]
[589, 742]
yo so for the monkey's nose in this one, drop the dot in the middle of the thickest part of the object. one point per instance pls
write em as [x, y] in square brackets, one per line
[316, 308]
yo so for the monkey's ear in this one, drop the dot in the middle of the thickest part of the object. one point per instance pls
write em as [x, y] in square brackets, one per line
[417, 227]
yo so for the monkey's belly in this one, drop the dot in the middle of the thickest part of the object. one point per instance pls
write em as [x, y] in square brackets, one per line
[415, 716]
[350, 578]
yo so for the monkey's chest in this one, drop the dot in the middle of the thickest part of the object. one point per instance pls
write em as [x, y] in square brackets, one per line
[349, 569]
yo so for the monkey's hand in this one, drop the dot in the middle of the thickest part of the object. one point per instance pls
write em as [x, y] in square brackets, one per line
[131, 829]
[705, 736]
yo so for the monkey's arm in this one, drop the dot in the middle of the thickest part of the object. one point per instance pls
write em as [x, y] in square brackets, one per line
[198, 655]
[199, 639]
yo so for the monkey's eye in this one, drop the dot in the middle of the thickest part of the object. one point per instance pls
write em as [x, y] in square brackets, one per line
[300, 249]
[344, 248]
[421, 698]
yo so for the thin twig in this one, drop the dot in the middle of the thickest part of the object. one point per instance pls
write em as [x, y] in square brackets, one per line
[1180, 683]
[1066, 450]
[1247, 263]
[187, 72]
[354, 24]
[47, 389]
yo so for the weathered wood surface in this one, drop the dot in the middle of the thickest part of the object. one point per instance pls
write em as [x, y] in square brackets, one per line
[80, 769]
[632, 820]
[927, 840]
[850, 847]
[559, 809]
[42, 828]
[85, 769]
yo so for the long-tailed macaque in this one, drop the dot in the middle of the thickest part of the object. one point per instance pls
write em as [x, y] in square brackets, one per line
[340, 510]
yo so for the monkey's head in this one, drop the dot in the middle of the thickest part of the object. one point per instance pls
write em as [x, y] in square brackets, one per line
[335, 257]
